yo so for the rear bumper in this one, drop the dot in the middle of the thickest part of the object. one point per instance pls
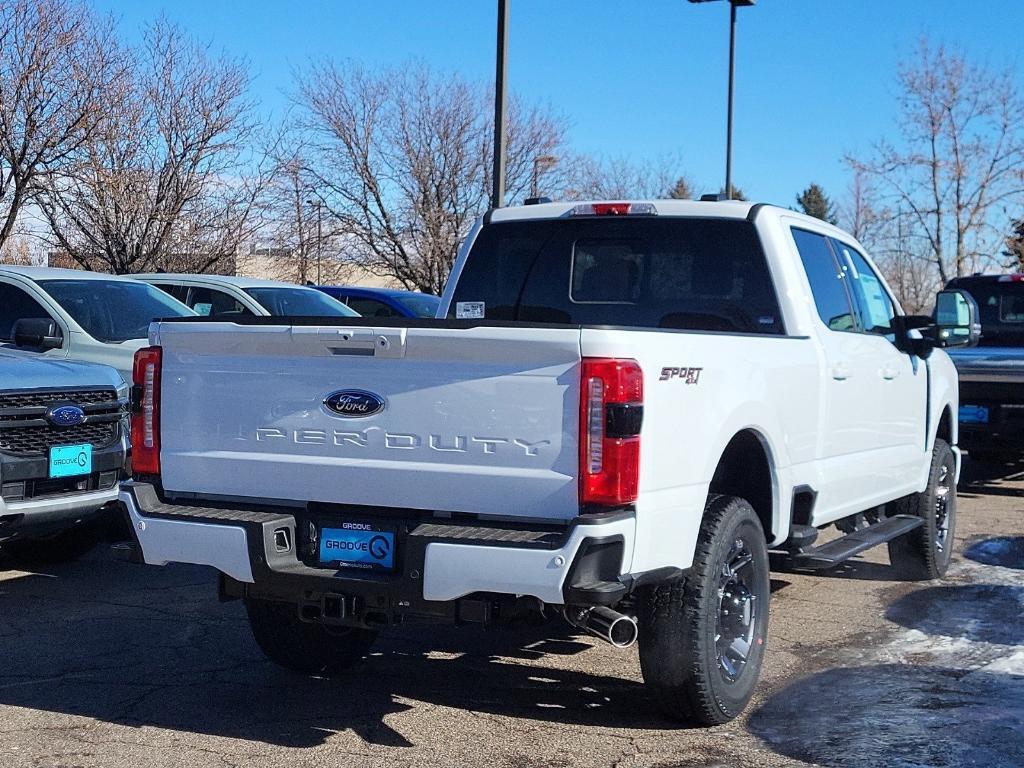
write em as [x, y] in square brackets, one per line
[440, 562]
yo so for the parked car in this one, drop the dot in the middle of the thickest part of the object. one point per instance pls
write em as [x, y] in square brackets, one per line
[229, 297]
[626, 407]
[384, 302]
[95, 318]
[992, 374]
[63, 446]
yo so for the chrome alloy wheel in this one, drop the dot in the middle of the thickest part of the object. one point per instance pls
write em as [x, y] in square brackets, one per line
[737, 612]
[942, 491]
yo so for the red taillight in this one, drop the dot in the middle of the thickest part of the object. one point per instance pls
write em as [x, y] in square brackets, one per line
[611, 411]
[614, 209]
[146, 412]
[611, 209]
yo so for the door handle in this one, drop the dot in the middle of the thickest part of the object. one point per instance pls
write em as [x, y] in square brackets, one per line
[840, 372]
[889, 373]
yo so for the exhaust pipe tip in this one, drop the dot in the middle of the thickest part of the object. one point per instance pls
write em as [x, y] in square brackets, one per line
[623, 632]
[614, 628]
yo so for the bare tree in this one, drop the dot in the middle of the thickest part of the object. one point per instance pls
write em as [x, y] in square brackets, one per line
[619, 178]
[402, 160]
[300, 238]
[56, 59]
[167, 183]
[894, 240]
[959, 159]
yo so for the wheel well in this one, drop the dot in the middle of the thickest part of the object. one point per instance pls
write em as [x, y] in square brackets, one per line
[744, 471]
[945, 430]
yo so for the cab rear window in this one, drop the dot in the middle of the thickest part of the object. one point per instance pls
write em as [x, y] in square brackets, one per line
[677, 273]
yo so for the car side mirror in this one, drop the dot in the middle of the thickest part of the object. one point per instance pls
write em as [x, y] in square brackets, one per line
[37, 333]
[956, 319]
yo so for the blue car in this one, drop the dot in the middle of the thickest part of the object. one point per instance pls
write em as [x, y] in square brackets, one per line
[384, 302]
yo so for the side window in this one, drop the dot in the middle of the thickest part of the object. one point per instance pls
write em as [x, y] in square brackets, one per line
[876, 308]
[826, 279]
[16, 304]
[212, 303]
[180, 292]
[370, 307]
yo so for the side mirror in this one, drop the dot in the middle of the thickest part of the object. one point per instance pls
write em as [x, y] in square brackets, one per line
[37, 333]
[956, 319]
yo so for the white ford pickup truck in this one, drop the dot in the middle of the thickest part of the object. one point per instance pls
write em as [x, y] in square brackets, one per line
[621, 409]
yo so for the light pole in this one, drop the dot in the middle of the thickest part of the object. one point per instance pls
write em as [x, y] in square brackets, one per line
[540, 162]
[319, 240]
[498, 190]
[733, 5]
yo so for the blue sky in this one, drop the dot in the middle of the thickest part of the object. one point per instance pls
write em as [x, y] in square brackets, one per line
[815, 78]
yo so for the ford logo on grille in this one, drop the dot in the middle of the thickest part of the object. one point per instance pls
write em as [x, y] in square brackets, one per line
[353, 403]
[65, 415]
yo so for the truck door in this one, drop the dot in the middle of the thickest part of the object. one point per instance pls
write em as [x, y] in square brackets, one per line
[848, 445]
[900, 379]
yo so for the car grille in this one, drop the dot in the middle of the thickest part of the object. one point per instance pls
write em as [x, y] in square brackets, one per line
[38, 398]
[24, 430]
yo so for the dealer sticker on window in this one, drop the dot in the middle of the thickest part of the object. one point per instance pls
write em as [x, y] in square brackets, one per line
[469, 310]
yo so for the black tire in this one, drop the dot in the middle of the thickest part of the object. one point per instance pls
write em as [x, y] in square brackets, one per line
[681, 623]
[62, 548]
[925, 552]
[303, 647]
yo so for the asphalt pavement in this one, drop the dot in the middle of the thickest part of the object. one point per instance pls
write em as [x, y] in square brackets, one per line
[112, 664]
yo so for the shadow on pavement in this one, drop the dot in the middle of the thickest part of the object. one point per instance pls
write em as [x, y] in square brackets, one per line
[986, 478]
[152, 647]
[897, 715]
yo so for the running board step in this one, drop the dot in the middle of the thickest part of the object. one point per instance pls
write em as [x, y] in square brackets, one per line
[840, 550]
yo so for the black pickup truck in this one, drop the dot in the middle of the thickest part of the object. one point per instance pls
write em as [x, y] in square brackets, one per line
[992, 373]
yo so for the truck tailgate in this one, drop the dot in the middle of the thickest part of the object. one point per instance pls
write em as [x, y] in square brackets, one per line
[482, 420]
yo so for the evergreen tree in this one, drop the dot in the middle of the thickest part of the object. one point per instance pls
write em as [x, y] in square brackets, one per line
[1014, 243]
[814, 202]
[737, 193]
[681, 190]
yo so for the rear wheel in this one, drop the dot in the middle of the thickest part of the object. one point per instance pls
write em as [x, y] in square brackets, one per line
[702, 641]
[303, 647]
[925, 552]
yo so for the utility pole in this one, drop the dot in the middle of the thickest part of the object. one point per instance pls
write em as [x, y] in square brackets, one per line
[728, 120]
[733, 4]
[498, 189]
[319, 204]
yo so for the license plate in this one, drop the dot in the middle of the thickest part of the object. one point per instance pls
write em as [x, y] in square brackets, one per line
[973, 414]
[70, 460]
[358, 545]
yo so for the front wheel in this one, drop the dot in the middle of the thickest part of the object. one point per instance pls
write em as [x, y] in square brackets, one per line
[925, 552]
[702, 640]
[303, 647]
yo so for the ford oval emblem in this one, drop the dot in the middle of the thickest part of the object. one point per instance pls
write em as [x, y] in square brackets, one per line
[65, 415]
[353, 403]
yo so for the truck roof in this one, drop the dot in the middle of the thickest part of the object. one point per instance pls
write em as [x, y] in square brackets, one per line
[719, 209]
[55, 273]
[238, 282]
[732, 209]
